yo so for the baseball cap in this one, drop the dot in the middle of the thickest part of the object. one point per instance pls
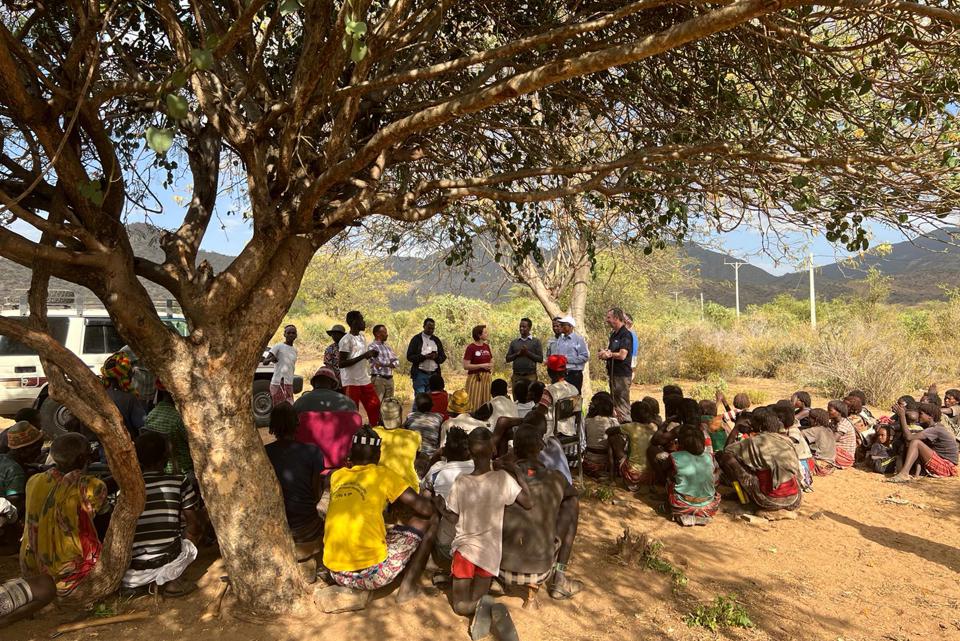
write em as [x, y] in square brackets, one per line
[567, 320]
[557, 363]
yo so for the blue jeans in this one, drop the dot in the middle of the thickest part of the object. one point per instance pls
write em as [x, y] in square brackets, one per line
[421, 381]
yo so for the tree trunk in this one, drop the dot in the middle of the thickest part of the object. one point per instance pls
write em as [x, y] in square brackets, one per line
[578, 309]
[239, 486]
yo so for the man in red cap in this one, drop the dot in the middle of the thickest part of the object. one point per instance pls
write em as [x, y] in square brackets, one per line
[558, 390]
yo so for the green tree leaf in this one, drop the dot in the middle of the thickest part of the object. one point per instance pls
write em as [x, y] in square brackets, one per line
[359, 51]
[799, 181]
[160, 140]
[177, 106]
[202, 59]
[289, 6]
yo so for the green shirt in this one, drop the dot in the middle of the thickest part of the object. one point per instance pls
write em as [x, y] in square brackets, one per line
[693, 475]
[165, 419]
[13, 480]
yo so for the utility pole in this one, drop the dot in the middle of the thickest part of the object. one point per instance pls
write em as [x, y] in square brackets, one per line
[736, 270]
[676, 297]
[701, 306]
[813, 295]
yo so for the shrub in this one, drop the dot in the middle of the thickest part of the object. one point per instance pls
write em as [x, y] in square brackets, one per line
[724, 612]
[757, 397]
[709, 388]
[701, 359]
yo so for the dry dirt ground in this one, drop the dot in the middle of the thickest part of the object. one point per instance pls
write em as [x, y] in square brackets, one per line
[853, 566]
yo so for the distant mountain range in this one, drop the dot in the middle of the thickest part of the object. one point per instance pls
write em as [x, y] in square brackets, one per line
[917, 270]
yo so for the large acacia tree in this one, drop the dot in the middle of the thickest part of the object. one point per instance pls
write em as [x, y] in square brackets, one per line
[319, 113]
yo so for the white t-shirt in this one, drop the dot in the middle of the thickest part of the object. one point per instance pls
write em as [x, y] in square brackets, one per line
[502, 406]
[441, 475]
[479, 502]
[464, 421]
[359, 372]
[286, 362]
[429, 347]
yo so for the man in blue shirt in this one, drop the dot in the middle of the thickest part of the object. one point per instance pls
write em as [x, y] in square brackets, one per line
[571, 345]
[636, 341]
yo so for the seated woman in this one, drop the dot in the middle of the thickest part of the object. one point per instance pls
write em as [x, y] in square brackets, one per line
[845, 432]
[629, 444]
[691, 492]
[299, 468]
[822, 441]
[600, 418]
[765, 465]
[784, 411]
[400, 445]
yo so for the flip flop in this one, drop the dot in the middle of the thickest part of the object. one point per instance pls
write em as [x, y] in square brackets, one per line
[482, 617]
[895, 479]
[565, 590]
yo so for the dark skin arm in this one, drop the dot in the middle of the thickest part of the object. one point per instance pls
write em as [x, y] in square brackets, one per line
[904, 428]
[346, 361]
[733, 435]
[419, 504]
[523, 499]
[194, 526]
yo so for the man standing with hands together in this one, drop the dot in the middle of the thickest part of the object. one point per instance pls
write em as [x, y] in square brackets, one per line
[525, 353]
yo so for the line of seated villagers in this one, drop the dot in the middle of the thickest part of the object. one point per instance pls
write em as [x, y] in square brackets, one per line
[487, 495]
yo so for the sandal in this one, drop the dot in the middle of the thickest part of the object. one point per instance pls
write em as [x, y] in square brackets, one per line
[482, 617]
[177, 588]
[564, 588]
[897, 479]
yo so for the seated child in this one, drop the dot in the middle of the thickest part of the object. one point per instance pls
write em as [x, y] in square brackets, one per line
[629, 443]
[934, 448]
[712, 425]
[160, 553]
[881, 457]
[537, 543]
[845, 432]
[439, 396]
[822, 441]
[358, 549]
[460, 417]
[426, 422]
[437, 483]
[478, 499]
[18, 463]
[691, 491]
[599, 420]
[60, 545]
[501, 405]
[400, 446]
[654, 407]
[801, 403]
[951, 410]
[741, 402]
[784, 411]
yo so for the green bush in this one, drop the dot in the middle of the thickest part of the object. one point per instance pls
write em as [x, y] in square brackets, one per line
[701, 359]
[724, 612]
[708, 389]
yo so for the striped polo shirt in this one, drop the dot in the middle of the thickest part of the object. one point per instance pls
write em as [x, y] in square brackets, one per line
[159, 525]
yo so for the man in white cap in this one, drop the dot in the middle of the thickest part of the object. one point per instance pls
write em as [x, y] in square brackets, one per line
[571, 345]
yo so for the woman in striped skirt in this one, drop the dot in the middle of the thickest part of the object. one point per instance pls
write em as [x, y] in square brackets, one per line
[478, 361]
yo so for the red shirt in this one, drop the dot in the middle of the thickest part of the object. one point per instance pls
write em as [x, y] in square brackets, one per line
[478, 354]
[440, 401]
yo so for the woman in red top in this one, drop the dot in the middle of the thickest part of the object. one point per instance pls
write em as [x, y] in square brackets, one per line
[478, 361]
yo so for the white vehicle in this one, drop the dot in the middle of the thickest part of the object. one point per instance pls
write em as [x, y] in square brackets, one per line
[91, 335]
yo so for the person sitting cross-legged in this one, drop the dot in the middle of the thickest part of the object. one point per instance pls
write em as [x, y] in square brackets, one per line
[361, 554]
[934, 448]
[478, 498]
[400, 445]
[160, 553]
[537, 543]
[437, 483]
[24, 444]
[691, 493]
[425, 422]
[60, 545]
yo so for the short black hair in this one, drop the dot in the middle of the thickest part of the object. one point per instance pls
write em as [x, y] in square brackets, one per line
[803, 397]
[456, 447]
[483, 413]
[283, 420]
[520, 390]
[950, 393]
[640, 412]
[932, 410]
[671, 405]
[352, 316]
[365, 454]
[429, 320]
[32, 416]
[785, 414]
[765, 420]
[691, 440]
[600, 405]
[529, 322]
[535, 392]
[708, 407]
[527, 441]
[477, 331]
[378, 327]
[151, 449]
[819, 416]
[423, 402]
[672, 390]
[858, 394]
[652, 403]
[436, 383]
[688, 412]
[499, 387]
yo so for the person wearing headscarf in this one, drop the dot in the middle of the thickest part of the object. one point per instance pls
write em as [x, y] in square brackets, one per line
[116, 376]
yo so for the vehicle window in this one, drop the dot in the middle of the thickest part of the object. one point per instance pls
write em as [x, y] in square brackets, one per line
[101, 337]
[58, 329]
[179, 326]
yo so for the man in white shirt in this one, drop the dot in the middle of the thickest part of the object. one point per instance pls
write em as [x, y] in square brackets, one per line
[285, 356]
[355, 369]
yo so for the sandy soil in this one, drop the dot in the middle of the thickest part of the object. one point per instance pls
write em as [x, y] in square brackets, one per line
[851, 567]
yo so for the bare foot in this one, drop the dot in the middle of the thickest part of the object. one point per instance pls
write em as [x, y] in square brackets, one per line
[408, 593]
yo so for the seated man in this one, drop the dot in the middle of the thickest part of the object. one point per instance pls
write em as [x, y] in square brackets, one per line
[479, 499]
[425, 422]
[436, 485]
[501, 404]
[299, 468]
[537, 543]
[439, 395]
[24, 442]
[160, 553]
[459, 417]
[934, 448]
[60, 545]
[361, 554]
[765, 465]
[29, 415]
[400, 446]
[165, 419]
[327, 418]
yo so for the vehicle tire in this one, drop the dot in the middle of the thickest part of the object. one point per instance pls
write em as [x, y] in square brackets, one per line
[262, 403]
[53, 418]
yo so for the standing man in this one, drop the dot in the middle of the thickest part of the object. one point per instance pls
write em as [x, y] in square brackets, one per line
[556, 335]
[636, 342]
[285, 356]
[572, 346]
[426, 355]
[617, 356]
[354, 371]
[331, 355]
[524, 352]
[383, 364]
